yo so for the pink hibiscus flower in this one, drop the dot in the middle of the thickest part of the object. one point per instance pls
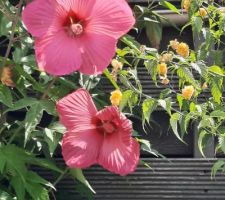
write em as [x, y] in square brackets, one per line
[92, 136]
[75, 35]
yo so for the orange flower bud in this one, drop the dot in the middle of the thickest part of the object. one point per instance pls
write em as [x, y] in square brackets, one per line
[6, 76]
[165, 81]
[204, 86]
[174, 44]
[188, 92]
[183, 50]
[166, 57]
[186, 5]
[116, 97]
[202, 12]
[162, 69]
[116, 65]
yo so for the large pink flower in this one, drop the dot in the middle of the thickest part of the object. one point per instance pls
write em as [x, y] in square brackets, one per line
[92, 136]
[76, 34]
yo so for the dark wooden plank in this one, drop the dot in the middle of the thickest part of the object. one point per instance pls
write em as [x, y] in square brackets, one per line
[185, 179]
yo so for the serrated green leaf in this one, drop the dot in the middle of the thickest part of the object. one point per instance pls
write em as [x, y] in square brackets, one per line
[216, 70]
[33, 118]
[217, 114]
[201, 142]
[6, 96]
[22, 103]
[217, 166]
[148, 106]
[174, 125]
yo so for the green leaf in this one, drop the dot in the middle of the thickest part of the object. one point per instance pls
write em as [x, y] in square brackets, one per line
[185, 73]
[173, 123]
[78, 174]
[217, 166]
[221, 140]
[202, 141]
[154, 32]
[151, 66]
[180, 100]
[5, 25]
[217, 114]
[33, 118]
[22, 103]
[148, 106]
[170, 6]
[109, 76]
[5, 95]
[146, 146]
[18, 186]
[166, 104]
[197, 24]
[44, 163]
[35, 178]
[216, 89]
[125, 99]
[216, 70]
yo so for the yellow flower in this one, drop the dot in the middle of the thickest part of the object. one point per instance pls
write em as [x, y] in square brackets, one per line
[186, 5]
[166, 57]
[204, 86]
[6, 76]
[183, 50]
[187, 92]
[162, 69]
[165, 81]
[115, 97]
[202, 12]
[116, 65]
[174, 44]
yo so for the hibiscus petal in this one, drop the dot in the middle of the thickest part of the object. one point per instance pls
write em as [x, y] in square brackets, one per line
[118, 157]
[76, 111]
[57, 53]
[82, 8]
[97, 52]
[111, 17]
[120, 152]
[38, 16]
[81, 149]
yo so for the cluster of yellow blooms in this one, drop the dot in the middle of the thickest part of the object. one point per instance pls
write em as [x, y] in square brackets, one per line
[6, 76]
[162, 67]
[187, 4]
[181, 48]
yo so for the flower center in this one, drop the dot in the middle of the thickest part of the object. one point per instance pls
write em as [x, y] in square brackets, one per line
[76, 29]
[108, 127]
[73, 26]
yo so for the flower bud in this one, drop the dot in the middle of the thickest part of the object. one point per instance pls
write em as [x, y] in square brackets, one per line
[162, 69]
[6, 76]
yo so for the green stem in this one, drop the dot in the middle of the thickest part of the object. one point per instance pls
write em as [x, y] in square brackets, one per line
[11, 39]
[59, 178]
